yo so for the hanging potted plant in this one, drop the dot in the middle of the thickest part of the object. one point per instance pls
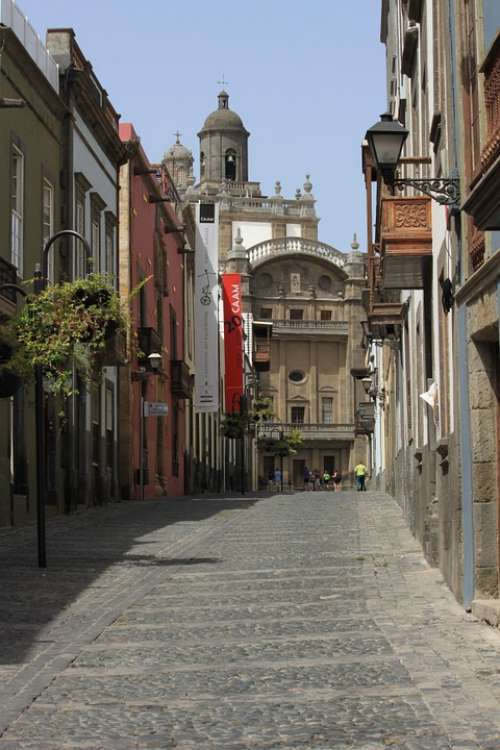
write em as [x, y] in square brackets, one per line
[68, 323]
[9, 380]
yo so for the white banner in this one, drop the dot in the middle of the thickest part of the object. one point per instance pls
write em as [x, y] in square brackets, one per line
[206, 308]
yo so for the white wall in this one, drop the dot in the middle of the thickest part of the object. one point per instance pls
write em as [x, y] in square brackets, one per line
[253, 232]
[293, 230]
[90, 160]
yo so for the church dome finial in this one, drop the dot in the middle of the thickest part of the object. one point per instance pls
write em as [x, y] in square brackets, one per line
[223, 118]
[355, 243]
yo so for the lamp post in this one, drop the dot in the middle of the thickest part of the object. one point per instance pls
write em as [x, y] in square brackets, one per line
[39, 285]
[386, 140]
[154, 362]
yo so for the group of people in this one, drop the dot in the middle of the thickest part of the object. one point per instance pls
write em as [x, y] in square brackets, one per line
[315, 480]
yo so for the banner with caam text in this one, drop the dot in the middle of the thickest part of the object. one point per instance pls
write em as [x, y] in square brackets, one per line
[206, 308]
[233, 341]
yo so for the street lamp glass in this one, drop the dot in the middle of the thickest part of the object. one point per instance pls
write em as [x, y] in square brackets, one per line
[154, 360]
[386, 139]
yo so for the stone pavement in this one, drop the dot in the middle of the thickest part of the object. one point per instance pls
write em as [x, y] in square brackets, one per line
[300, 621]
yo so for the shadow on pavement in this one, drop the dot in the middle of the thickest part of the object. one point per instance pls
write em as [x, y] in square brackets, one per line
[91, 559]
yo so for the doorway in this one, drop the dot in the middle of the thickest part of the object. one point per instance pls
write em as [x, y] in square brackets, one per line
[298, 473]
[329, 464]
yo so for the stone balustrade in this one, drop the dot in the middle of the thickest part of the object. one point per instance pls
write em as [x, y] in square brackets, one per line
[289, 245]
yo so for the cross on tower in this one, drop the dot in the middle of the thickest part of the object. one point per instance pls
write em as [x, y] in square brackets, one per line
[177, 135]
[223, 83]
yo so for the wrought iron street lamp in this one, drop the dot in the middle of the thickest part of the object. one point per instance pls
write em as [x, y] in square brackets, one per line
[154, 362]
[386, 140]
[41, 278]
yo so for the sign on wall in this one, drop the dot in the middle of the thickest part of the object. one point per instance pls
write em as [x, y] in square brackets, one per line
[233, 341]
[206, 306]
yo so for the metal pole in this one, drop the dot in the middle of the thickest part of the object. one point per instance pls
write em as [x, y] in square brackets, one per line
[38, 287]
[281, 462]
[40, 462]
[242, 461]
[141, 448]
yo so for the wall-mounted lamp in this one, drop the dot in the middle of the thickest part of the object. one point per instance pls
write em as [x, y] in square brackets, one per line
[154, 360]
[386, 140]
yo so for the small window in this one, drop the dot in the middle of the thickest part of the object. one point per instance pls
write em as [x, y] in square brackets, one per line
[109, 246]
[79, 250]
[17, 209]
[96, 241]
[296, 376]
[326, 314]
[48, 222]
[296, 314]
[327, 410]
[298, 413]
[266, 313]
[202, 164]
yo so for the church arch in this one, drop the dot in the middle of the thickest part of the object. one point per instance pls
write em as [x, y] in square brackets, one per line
[230, 164]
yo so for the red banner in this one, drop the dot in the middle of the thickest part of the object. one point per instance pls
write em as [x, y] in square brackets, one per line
[233, 340]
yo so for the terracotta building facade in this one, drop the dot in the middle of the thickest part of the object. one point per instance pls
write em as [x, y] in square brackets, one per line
[151, 275]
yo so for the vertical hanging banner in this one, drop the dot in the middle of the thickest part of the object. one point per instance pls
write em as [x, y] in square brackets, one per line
[233, 340]
[206, 308]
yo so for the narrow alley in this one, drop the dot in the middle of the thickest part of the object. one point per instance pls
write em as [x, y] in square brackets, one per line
[298, 621]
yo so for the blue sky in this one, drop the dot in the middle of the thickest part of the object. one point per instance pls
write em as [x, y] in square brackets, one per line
[307, 78]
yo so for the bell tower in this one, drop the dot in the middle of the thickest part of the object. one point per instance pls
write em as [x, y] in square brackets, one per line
[223, 147]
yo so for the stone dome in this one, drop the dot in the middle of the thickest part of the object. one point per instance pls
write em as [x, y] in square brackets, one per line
[223, 118]
[178, 152]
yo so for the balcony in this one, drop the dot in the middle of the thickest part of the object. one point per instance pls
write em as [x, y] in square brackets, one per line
[385, 320]
[323, 328]
[405, 241]
[8, 275]
[262, 355]
[365, 418]
[311, 430]
[483, 202]
[181, 381]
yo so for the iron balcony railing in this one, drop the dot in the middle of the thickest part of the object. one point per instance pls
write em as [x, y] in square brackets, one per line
[323, 326]
[310, 430]
[8, 275]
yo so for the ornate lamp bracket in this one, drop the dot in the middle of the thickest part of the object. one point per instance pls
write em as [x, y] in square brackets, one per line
[444, 190]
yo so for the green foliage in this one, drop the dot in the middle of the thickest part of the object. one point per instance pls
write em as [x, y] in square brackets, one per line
[262, 410]
[288, 445]
[235, 424]
[66, 323]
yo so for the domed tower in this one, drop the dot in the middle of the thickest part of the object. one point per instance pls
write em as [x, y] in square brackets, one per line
[223, 147]
[179, 162]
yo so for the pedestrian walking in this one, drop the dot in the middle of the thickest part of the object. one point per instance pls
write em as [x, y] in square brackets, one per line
[337, 480]
[360, 474]
[326, 480]
[277, 479]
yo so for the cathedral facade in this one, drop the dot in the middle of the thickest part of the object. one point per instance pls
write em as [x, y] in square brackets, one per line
[302, 301]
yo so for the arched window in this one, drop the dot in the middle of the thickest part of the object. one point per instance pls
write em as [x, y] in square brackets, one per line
[202, 164]
[230, 164]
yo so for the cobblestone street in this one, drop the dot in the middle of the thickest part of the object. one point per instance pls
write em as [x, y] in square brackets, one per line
[298, 621]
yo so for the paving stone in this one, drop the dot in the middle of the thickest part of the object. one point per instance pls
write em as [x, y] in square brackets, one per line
[307, 621]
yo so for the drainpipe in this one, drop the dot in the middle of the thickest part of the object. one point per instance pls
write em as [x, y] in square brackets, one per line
[463, 363]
